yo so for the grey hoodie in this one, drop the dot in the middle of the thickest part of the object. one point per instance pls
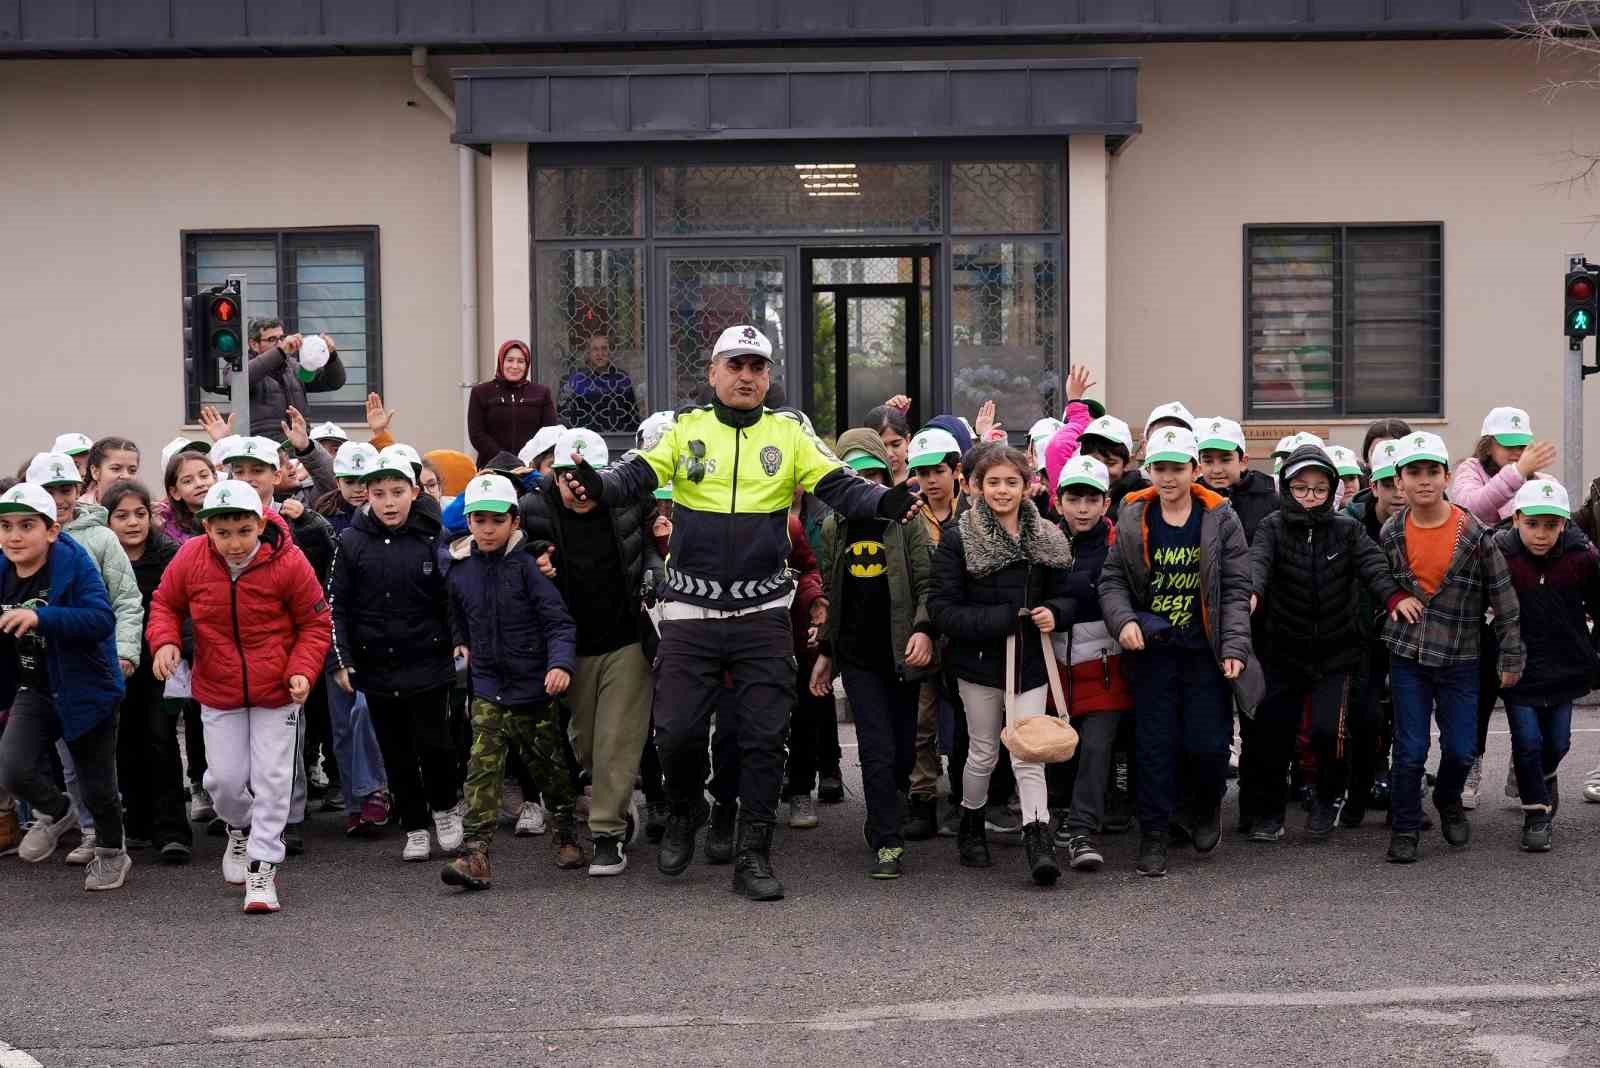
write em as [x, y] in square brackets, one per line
[88, 528]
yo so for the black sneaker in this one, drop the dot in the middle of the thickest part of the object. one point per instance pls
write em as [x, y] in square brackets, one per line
[1040, 850]
[655, 821]
[1453, 824]
[609, 858]
[1265, 830]
[1208, 830]
[294, 839]
[922, 819]
[1152, 860]
[1352, 814]
[1083, 853]
[1404, 847]
[889, 863]
[176, 853]
[1319, 823]
[830, 788]
[1536, 832]
[719, 834]
[1058, 827]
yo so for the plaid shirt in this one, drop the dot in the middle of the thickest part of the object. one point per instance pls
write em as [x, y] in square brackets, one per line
[1476, 581]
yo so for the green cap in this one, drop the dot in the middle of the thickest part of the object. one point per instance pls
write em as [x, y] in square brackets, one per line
[862, 460]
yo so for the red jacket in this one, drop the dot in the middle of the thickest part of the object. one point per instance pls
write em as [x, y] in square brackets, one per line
[250, 636]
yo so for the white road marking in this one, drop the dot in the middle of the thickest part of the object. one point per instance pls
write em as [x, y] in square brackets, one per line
[1016, 1005]
[11, 1057]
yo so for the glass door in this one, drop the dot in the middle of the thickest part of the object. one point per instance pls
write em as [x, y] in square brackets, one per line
[707, 291]
[869, 325]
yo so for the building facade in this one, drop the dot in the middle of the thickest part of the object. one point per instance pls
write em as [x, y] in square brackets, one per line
[1293, 216]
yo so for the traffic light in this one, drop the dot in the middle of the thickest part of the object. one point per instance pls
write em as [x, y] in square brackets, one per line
[215, 334]
[1582, 304]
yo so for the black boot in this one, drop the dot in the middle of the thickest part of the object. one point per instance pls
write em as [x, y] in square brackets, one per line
[1453, 823]
[752, 871]
[1152, 855]
[922, 819]
[1319, 824]
[1040, 849]
[677, 845]
[719, 835]
[971, 841]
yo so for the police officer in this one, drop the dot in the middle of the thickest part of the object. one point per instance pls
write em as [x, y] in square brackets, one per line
[733, 465]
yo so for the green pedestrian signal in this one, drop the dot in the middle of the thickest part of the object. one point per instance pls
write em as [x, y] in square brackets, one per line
[1579, 323]
[1582, 296]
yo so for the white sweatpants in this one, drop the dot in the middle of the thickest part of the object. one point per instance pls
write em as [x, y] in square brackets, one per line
[251, 755]
[986, 715]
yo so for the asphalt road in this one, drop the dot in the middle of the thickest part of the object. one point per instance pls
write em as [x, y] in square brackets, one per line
[1294, 954]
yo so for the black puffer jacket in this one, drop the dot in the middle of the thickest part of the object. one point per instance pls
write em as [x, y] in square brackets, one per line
[541, 510]
[1089, 551]
[980, 583]
[1309, 568]
[316, 538]
[147, 571]
[1254, 497]
[391, 623]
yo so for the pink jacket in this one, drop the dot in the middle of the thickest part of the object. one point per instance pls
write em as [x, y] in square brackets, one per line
[1488, 499]
[1064, 446]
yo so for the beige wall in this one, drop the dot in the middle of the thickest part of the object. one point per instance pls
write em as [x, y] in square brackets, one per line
[102, 164]
[1402, 132]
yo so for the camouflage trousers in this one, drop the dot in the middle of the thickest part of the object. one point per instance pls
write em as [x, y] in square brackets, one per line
[535, 731]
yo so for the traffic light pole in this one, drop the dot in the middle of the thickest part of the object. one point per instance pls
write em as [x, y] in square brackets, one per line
[240, 379]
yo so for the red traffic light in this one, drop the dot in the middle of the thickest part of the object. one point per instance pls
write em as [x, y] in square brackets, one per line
[224, 309]
[1580, 289]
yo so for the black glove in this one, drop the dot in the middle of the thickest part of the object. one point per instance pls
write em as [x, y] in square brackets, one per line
[900, 504]
[590, 486]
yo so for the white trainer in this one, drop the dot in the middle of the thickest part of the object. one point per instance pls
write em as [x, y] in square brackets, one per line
[84, 852]
[261, 887]
[235, 861]
[447, 828]
[417, 847]
[45, 834]
[530, 821]
[1591, 786]
[108, 870]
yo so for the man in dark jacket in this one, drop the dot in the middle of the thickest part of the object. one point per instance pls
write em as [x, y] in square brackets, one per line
[600, 395]
[276, 384]
[509, 624]
[599, 557]
[391, 639]
[1309, 568]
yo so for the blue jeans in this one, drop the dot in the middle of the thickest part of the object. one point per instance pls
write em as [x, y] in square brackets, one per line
[1540, 737]
[1449, 694]
[355, 746]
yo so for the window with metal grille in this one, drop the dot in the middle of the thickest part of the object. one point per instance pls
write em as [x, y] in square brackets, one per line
[318, 282]
[1342, 321]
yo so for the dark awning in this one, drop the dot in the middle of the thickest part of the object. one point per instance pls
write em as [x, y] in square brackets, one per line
[333, 27]
[786, 102]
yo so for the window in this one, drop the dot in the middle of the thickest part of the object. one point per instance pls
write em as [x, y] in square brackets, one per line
[316, 281]
[1343, 320]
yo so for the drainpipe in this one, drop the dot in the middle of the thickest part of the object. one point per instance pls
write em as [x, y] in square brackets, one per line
[467, 228]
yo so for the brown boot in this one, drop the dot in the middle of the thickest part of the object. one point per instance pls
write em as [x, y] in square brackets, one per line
[10, 832]
[569, 854]
[470, 870]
